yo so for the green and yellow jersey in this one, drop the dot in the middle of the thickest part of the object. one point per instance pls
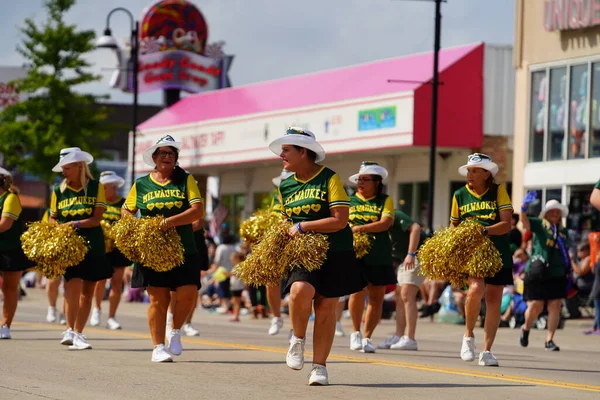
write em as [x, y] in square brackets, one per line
[365, 211]
[313, 200]
[485, 210]
[546, 246]
[76, 205]
[400, 235]
[275, 207]
[10, 207]
[152, 198]
[113, 211]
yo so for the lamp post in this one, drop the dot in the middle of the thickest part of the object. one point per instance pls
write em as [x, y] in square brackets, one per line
[107, 41]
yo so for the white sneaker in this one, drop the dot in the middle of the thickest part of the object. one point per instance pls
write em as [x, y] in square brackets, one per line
[339, 332]
[467, 351]
[174, 340]
[405, 343]
[63, 319]
[276, 325]
[80, 342]
[389, 342]
[189, 330]
[68, 337]
[318, 376]
[222, 310]
[5, 332]
[367, 346]
[295, 355]
[487, 359]
[113, 324]
[160, 354]
[95, 318]
[51, 316]
[356, 341]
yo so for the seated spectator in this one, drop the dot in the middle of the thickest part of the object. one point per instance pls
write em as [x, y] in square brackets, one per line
[583, 269]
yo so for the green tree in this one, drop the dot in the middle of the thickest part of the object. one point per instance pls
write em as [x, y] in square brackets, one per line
[52, 115]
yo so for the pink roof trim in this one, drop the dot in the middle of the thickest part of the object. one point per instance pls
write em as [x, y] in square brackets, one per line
[364, 80]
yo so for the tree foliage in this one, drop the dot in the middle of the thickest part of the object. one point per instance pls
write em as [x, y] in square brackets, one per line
[52, 115]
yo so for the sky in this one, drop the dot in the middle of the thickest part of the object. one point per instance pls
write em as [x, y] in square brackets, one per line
[273, 39]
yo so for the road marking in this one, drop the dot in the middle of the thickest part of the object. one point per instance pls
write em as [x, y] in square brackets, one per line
[359, 360]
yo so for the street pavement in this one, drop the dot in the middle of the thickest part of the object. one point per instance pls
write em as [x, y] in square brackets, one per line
[240, 361]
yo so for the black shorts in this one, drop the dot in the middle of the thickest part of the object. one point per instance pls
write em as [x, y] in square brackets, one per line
[378, 275]
[549, 289]
[93, 268]
[118, 259]
[14, 261]
[339, 276]
[236, 293]
[185, 274]
[503, 277]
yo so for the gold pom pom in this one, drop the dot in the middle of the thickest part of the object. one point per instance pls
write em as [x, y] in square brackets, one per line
[308, 251]
[142, 241]
[362, 244]
[254, 228]
[455, 254]
[109, 240]
[53, 248]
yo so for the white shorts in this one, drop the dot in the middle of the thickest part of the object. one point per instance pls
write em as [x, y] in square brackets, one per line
[410, 277]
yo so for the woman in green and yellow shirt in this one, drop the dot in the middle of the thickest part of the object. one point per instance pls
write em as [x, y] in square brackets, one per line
[315, 200]
[372, 212]
[12, 260]
[487, 203]
[171, 192]
[79, 201]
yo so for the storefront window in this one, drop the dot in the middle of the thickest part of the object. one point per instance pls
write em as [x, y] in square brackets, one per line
[537, 116]
[578, 111]
[413, 200]
[583, 217]
[558, 112]
[235, 204]
[594, 145]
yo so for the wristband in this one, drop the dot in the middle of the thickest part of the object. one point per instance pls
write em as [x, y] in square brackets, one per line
[412, 254]
[78, 225]
[524, 207]
[299, 228]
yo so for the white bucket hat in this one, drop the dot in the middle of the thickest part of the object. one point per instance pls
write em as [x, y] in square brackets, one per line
[284, 175]
[479, 160]
[298, 137]
[71, 155]
[555, 205]
[4, 172]
[108, 177]
[165, 141]
[369, 168]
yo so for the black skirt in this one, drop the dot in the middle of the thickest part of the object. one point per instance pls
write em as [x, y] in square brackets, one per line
[93, 268]
[549, 289]
[14, 260]
[118, 259]
[187, 273]
[503, 277]
[378, 275]
[339, 276]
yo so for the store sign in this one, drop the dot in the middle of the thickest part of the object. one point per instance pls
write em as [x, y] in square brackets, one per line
[377, 118]
[564, 15]
[9, 94]
[174, 53]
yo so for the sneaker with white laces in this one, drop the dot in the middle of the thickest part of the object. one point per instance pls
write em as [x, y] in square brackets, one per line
[95, 318]
[68, 337]
[80, 342]
[5, 332]
[276, 325]
[367, 346]
[405, 343]
[189, 330]
[113, 324]
[487, 359]
[389, 342]
[339, 331]
[174, 340]
[160, 354]
[318, 376]
[295, 355]
[63, 319]
[356, 341]
[51, 316]
[467, 351]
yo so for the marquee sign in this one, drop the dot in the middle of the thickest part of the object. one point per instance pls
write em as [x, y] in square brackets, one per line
[174, 51]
